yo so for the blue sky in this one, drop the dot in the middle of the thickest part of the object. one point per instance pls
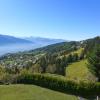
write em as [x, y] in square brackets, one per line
[66, 19]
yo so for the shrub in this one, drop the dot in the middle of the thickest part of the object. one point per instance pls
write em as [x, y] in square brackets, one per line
[62, 85]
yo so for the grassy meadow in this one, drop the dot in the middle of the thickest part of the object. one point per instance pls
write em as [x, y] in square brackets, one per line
[31, 92]
[78, 71]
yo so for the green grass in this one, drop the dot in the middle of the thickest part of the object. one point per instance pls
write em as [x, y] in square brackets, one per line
[79, 51]
[78, 71]
[31, 92]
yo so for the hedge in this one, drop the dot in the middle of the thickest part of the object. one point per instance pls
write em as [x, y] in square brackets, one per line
[62, 85]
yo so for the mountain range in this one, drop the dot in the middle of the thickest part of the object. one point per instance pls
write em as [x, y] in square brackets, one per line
[10, 44]
[5, 40]
[43, 41]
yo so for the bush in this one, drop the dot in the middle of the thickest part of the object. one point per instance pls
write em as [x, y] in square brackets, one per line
[62, 85]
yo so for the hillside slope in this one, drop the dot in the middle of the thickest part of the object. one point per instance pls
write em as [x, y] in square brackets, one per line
[59, 47]
[31, 92]
[78, 71]
[54, 59]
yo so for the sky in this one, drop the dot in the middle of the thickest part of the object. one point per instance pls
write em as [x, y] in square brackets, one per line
[61, 19]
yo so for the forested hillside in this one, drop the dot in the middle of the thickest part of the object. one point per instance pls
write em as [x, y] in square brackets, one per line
[69, 67]
[52, 59]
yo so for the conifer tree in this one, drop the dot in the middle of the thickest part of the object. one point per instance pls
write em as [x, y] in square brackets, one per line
[94, 62]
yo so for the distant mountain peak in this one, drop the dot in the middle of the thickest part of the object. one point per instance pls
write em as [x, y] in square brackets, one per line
[9, 44]
[6, 39]
[44, 41]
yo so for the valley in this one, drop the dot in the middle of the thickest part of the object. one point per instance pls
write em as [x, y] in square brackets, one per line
[65, 62]
[49, 49]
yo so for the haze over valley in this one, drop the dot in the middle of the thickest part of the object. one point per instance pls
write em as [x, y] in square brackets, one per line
[11, 44]
[49, 49]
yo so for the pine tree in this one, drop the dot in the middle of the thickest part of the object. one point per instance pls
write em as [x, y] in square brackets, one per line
[43, 64]
[75, 57]
[82, 55]
[70, 58]
[94, 62]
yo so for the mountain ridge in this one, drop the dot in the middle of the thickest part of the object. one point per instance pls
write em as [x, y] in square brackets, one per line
[45, 41]
[11, 44]
[6, 39]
